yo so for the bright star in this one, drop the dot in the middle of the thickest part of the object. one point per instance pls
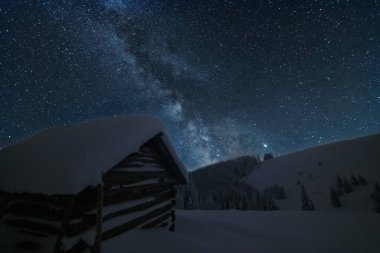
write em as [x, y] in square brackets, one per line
[265, 145]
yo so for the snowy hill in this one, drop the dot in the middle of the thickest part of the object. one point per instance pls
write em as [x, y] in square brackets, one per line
[257, 231]
[317, 169]
[219, 186]
[352, 228]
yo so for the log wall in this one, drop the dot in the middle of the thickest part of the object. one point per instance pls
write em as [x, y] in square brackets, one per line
[143, 183]
[36, 220]
[137, 193]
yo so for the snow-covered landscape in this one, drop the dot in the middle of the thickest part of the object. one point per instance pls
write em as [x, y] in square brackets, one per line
[318, 168]
[249, 204]
[233, 231]
[201, 126]
[352, 228]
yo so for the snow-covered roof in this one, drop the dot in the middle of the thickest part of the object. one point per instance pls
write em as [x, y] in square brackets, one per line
[67, 159]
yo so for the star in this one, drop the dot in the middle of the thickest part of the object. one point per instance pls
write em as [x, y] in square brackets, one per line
[220, 84]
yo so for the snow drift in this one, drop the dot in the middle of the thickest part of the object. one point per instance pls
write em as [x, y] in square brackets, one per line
[317, 169]
[67, 159]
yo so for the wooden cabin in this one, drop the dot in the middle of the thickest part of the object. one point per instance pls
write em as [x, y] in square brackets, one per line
[68, 189]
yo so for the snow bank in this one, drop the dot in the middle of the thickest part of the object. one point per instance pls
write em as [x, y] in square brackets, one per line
[318, 167]
[67, 159]
[254, 231]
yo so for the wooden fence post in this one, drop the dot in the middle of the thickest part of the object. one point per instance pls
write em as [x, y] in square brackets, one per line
[65, 222]
[99, 219]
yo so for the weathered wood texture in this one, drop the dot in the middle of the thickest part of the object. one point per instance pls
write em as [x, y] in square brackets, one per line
[146, 174]
[64, 223]
[124, 184]
[156, 221]
[159, 198]
[79, 247]
[99, 219]
[135, 223]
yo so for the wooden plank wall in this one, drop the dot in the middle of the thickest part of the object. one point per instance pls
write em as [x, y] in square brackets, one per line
[137, 193]
[44, 221]
[36, 218]
[142, 182]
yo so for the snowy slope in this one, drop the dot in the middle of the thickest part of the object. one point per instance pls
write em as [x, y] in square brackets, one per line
[67, 159]
[357, 156]
[256, 231]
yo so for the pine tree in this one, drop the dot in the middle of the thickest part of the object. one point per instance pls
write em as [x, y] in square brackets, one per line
[277, 192]
[311, 207]
[306, 202]
[339, 185]
[191, 196]
[281, 193]
[354, 180]
[347, 188]
[335, 200]
[376, 196]
[362, 180]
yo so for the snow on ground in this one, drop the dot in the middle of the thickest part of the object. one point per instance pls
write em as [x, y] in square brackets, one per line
[317, 168]
[232, 231]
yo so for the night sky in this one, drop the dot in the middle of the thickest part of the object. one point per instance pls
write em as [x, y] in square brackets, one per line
[228, 78]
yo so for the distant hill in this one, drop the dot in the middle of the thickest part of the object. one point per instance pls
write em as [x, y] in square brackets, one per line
[318, 168]
[220, 186]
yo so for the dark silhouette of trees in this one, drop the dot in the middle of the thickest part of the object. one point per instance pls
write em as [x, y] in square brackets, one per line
[376, 196]
[306, 202]
[278, 192]
[339, 185]
[354, 180]
[220, 186]
[347, 188]
[268, 156]
[335, 200]
[362, 180]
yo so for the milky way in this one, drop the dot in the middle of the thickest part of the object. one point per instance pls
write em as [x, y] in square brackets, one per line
[228, 78]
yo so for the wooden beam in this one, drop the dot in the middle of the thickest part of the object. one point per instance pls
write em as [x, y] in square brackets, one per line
[141, 189]
[64, 222]
[157, 221]
[36, 234]
[32, 225]
[35, 210]
[127, 165]
[139, 155]
[164, 224]
[113, 197]
[134, 223]
[78, 228]
[159, 199]
[89, 220]
[139, 161]
[147, 186]
[56, 199]
[99, 219]
[79, 247]
[120, 176]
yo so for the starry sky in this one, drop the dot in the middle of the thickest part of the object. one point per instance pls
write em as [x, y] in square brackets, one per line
[228, 78]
